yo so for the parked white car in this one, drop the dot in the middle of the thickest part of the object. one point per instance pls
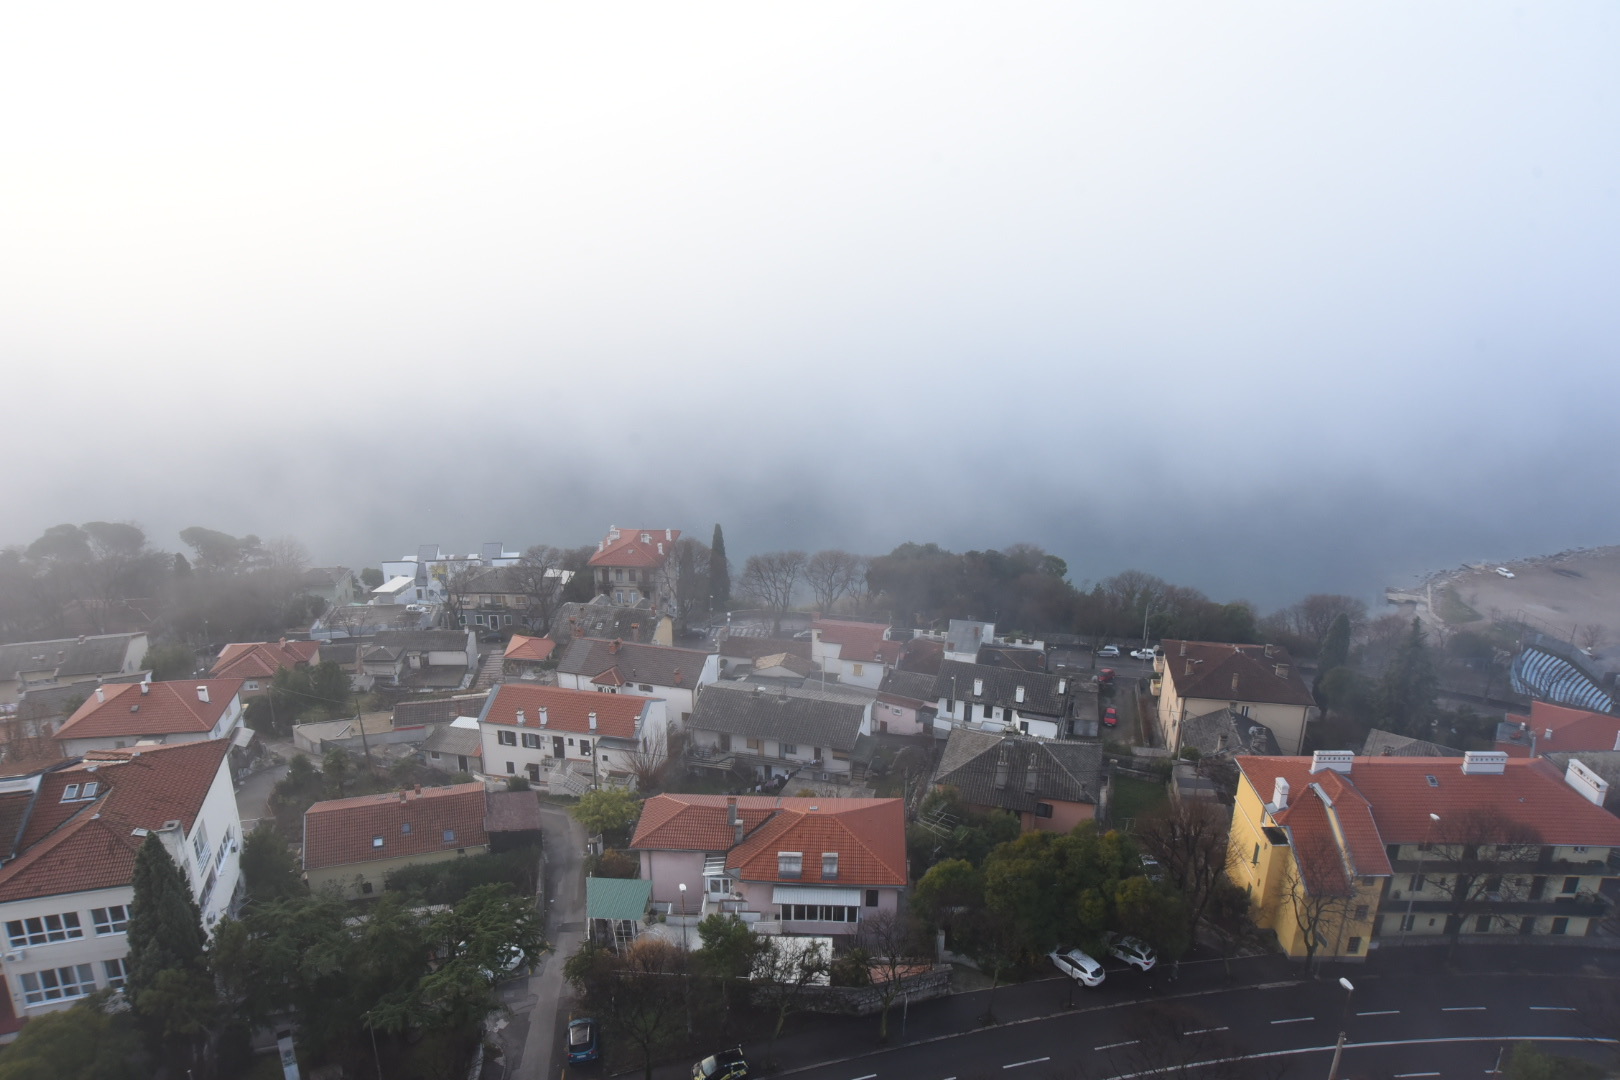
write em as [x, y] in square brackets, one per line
[1504, 571]
[1078, 966]
[1134, 951]
[1143, 654]
[1108, 650]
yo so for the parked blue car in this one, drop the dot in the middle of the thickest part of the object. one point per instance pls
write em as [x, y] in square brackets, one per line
[584, 1040]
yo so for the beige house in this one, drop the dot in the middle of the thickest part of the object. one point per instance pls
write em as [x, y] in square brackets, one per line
[354, 843]
[1261, 682]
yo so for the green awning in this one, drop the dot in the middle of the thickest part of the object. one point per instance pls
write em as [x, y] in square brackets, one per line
[616, 898]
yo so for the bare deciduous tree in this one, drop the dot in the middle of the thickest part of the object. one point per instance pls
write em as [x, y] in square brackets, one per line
[1594, 636]
[888, 943]
[781, 971]
[832, 575]
[1190, 841]
[771, 579]
[539, 578]
[1481, 861]
[1318, 892]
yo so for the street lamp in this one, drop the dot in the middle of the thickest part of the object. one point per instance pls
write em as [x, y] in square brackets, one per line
[1434, 819]
[683, 915]
[1145, 616]
[1344, 1022]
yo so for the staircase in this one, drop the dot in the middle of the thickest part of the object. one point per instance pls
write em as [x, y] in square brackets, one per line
[489, 671]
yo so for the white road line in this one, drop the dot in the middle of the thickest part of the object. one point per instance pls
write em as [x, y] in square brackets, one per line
[1403, 1076]
[1031, 1061]
[1115, 1046]
[1294, 1020]
[1203, 1031]
[1464, 1008]
[868, 1076]
[1380, 1012]
[1552, 1008]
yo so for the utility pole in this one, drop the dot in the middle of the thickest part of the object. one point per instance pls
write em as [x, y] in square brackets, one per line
[1344, 1022]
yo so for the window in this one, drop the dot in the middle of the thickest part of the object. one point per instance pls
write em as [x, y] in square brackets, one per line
[789, 864]
[70, 793]
[110, 920]
[89, 790]
[365, 888]
[987, 710]
[449, 836]
[856, 669]
[820, 913]
[755, 745]
[1416, 884]
[1482, 925]
[1571, 884]
[58, 984]
[44, 929]
[376, 841]
[829, 866]
[1579, 849]
[506, 738]
[531, 741]
[789, 749]
[1361, 913]
[405, 827]
[1353, 946]
[1560, 925]
[199, 845]
[511, 768]
[1256, 859]
[871, 898]
[645, 688]
[116, 975]
[1406, 923]
[252, 684]
[584, 748]
[1043, 809]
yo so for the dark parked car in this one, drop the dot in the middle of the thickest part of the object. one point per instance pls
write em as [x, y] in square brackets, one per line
[584, 1040]
[726, 1065]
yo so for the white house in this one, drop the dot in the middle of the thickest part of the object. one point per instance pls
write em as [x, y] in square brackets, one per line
[65, 888]
[124, 714]
[999, 699]
[571, 740]
[656, 670]
[857, 653]
[782, 730]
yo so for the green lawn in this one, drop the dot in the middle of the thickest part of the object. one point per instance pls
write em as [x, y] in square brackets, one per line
[1135, 798]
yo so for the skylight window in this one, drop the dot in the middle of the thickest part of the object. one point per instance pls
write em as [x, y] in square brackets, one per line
[1431, 779]
[376, 841]
[70, 793]
[89, 790]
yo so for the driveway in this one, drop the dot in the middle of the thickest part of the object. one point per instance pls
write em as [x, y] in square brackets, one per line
[538, 1004]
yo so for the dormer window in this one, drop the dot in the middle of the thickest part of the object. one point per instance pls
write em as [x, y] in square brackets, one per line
[790, 864]
[829, 866]
[70, 793]
[89, 790]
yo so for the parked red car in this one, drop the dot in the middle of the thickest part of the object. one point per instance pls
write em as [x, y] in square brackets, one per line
[1110, 717]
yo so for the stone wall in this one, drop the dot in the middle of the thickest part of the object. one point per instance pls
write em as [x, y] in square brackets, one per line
[868, 1000]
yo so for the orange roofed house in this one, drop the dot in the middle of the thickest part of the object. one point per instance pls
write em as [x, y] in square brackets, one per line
[256, 662]
[788, 866]
[857, 653]
[631, 565]
[1354, 851]
[70, 835]
[571, 740]
[1260, 682]
[124, 714]
[1551, 729]
[354, 843]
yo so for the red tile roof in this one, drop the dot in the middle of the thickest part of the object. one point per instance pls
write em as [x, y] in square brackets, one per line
[341, 832]
[617, 715]
[859, 642]
[1225, 672]
[262, 659]
[523, 647]
[625, 547]
[1556, 728]
[121, 710]
[79, 845]
[922, 655]
[869, 835]
[1530, 793]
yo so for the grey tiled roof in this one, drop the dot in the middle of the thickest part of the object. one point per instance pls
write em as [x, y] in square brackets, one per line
[738, 647]
[788, 714]
[1008, 656]
[1226, 732]
[440, 710]
[656, 665]
[445, 739]
[601, 618]
[1382, 743]
[423, 640]
[66, 656]
[1041, 697]
[973, 763]
[908, 684]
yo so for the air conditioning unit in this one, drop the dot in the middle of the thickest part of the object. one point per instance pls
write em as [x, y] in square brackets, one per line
[13, 957]
[1395, 894]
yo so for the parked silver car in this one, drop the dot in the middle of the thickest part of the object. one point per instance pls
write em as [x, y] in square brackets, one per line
[1077, 966]
[1134, 951]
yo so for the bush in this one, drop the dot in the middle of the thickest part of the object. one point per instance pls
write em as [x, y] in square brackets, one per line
[449, 882]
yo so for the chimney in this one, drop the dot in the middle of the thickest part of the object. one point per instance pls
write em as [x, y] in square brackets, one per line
[1234, 682]
[1189, 668]
[1003, 767]
[1018, 694]
[734, 819]
[520, 718]
[1282, 671]
[418, 791]
[1592, 787]
[1063, 686]
[1338, 761]
[402, 795]
[1484, 763]
[1031, 778]
[1548, 735]
[593, 719]
[1271, 650]
[283, 642]
[669, 535]
[678, 676]
[146, 688]
[613, 646]
[978, 687]
[202, 694]
[543, 716]
[101, 695]
[1184, 653]
[1279, 795]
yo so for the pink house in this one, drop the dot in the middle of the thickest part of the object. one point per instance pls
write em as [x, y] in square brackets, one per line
[794, 866]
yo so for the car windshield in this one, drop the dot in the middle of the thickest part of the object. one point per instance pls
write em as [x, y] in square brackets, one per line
[709, 1066]
[579, 1034]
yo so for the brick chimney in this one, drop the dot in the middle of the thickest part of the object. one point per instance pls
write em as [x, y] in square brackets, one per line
[734, 819]
[613, 646]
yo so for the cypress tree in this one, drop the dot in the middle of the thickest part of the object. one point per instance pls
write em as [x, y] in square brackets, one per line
[1335, 652]
[1406, 695]
[165, 926]
[719, 571]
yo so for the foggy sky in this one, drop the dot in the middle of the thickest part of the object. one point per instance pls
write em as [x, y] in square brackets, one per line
[1265, 299]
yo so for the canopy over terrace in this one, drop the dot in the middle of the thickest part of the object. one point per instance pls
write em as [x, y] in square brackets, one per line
[615, 908]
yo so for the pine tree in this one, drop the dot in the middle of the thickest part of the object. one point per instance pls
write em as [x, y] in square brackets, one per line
[719, 572]
[165, 926]
[1335, 652]
[1405, 703]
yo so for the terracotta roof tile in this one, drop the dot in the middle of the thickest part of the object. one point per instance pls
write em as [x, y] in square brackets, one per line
[344, 831]
[618, 716]
[625, 547]
[262, 659]
[697, 822]
[1557, 727]
[524, 647]
[121, 710]
[1225, 672]
[859, 642]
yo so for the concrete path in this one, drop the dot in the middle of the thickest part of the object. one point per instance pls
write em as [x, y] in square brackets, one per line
[539, 1003]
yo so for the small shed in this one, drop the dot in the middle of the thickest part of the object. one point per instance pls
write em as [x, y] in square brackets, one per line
[615, 908]
[512, 820]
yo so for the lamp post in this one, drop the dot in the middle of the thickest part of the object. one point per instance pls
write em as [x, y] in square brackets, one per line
[683, 915]
[1427, 833]
[1145, 616]
[686, 956]
[1344, 1022]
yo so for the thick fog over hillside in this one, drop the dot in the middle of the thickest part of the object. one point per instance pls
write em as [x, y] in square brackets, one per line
[1265, 300]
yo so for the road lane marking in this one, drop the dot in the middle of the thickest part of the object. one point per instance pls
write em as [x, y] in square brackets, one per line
[1115, 1046]
[1403, 1076]
[1204, 1031]
[1031, 1061]
[1294, 1020]
[1552, 1008]
[1329, 1048]
[1464, 1008]
[868, 1076]
[1380, 1012]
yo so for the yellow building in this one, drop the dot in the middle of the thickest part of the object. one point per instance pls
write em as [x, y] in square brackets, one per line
[354, 843]
[1340, 854]
[1261, 682]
